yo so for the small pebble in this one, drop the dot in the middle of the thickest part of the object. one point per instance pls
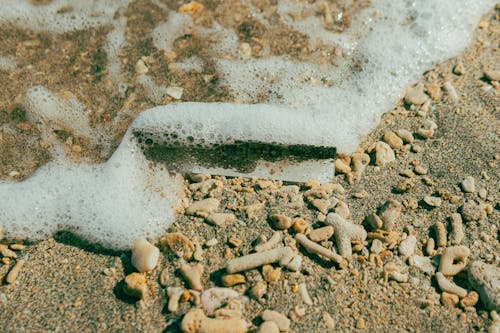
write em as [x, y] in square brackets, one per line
[415, 95]
[433, 201]
[135, 285]
[14, 272]
[281, 222]
[405, 135]
[144, 255]
[321, 234]
[468, 185]
[394, 141]
[383, 153]
[420, 170]
[268, 327]
[449, 300]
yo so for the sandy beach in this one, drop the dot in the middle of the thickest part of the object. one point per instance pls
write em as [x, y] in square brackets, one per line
[70, 285]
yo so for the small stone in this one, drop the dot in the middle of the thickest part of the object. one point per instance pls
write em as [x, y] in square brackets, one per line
[468, 185]
[450, 300]
[383, 153]
[459, 68]
[136, 286]
[174, 92]
[280, 319]
[281, 222]
[407, 246]
[415, 95]
[389, 213]
[404, 186]
[221, 219]
[17, 247]
[300, 226]
[140, 67]
[359, 163]
[341, 166]
[420, 170]
[203, 208]
[393, 140]
[360, 324]
[258, 290]
[405, 135]
[342, 209]
[230, 280]
[377, 246]
[361, 194]
[144, 255]
[482, 193]
[14, 272]
[484, 278]
[323, 205]
[472, 211]
[193, 274]
[408, 173]
[321, 234]
[453, 260]
[427, 129]
[434, 91]
[424, 264]
[268, 327]
[433, 201]
[179, 244]
[270, 273]
[470, 300]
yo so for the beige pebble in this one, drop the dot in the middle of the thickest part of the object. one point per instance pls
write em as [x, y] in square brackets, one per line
[221, 219]
[7, 253]
[281, 222]
[135, 285]
[433, 201]
[140, 67]
[345, 233]
[314, 248]
[390, 213]
[304, 294]
[342, 167]
[174, 92]
[434, 91]
[144, 255]
[179, 244]
[430, 248]
[342, 209]
[14, 272]
[424, 264]
[457, 229]
[282, 255]
[441, 235]
[274, 241]
[174, 296]
[280, 319]
[407, 246]
[394, 141]
[213, 298]
[383, 153]
[301, 226]
[323, 205]
[17, 247]
[450, 300]
[195, 321]
[415, 95]
[470, 299]
[199, 177]
[258, 290]
[268, 327]
[270, 273]
[203, 207]
[193, 273]
[450, 89]
[420, 170]
[321, 234]
[468, 185]
[408, 173]
[377, 246]
[427, 129]
[406, 135]
[453, 260]
[359, 163]
[448, 286]
[230, 280]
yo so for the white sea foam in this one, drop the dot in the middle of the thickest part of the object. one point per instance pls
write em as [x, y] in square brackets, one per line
[128, 197]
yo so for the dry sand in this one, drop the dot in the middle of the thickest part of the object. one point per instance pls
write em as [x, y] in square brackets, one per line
[62, 286]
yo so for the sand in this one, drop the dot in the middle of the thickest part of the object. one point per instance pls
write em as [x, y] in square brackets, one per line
[62, 286]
